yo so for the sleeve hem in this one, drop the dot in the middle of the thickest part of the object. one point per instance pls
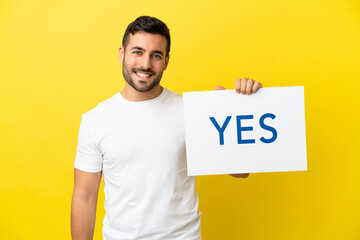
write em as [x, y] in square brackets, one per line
[87, 169]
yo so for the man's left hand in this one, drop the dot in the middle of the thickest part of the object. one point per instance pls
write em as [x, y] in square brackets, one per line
[244, 86]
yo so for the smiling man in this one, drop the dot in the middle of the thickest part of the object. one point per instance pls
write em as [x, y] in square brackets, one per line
[144, 57]
[136, 140]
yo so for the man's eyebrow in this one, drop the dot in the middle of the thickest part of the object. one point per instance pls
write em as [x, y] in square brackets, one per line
[139, 48]
[155, 51]
[158, 52]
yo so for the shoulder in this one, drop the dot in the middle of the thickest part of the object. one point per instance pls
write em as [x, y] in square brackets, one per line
[102, 110]
[173, 96]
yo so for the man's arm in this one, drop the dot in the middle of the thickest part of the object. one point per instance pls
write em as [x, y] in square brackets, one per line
[84, 201]
[244, 86]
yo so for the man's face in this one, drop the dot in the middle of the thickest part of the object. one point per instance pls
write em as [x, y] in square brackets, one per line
[144, 60]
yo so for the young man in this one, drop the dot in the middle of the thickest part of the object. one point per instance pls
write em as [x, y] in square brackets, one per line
[136, 140]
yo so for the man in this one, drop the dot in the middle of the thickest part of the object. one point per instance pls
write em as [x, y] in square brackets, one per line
[136, 140]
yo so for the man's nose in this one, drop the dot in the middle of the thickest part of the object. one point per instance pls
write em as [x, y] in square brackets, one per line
[146, 63]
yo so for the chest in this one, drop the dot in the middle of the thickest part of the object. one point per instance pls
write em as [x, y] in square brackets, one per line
[144, 138]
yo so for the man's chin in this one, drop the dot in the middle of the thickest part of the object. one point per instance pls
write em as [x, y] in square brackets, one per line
[144, 87]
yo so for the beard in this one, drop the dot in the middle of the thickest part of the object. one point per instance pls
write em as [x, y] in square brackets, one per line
[140, 88]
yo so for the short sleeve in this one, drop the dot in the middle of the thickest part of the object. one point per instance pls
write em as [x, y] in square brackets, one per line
[88, 157]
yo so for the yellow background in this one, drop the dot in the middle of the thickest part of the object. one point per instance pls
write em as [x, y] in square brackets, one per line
[58, 59]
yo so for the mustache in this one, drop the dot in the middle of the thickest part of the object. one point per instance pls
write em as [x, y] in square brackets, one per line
[143, 70]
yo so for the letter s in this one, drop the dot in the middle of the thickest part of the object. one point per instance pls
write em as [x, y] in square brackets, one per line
[266, 127]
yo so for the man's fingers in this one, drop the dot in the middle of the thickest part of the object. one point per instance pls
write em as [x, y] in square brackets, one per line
[237, 85]
[246, 86]
[249, 86]
[220, 88]
[243, 85]
[256, 86]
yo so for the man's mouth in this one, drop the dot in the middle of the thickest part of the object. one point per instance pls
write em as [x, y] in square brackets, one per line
[143, 74]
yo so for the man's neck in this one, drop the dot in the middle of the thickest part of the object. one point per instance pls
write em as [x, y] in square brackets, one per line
[131, 94]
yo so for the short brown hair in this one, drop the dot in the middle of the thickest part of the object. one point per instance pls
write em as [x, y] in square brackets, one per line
[149, 25]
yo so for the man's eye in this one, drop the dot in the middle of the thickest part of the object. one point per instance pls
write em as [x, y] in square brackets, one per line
[157, 56]
[137, 52]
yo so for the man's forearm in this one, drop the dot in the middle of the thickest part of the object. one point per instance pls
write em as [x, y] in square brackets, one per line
[83, 214]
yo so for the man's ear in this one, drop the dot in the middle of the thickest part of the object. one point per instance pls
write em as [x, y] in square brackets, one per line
[166, 61]
[121, 54]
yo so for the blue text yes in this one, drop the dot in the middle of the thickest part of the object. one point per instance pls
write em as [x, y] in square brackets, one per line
[249, 128]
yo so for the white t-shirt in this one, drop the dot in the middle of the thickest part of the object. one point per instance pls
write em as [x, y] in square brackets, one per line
[140, 148]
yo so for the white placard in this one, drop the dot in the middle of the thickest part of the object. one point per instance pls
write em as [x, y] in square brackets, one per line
[227, 132]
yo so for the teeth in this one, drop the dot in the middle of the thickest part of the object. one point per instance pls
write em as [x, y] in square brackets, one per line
[143, 75]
